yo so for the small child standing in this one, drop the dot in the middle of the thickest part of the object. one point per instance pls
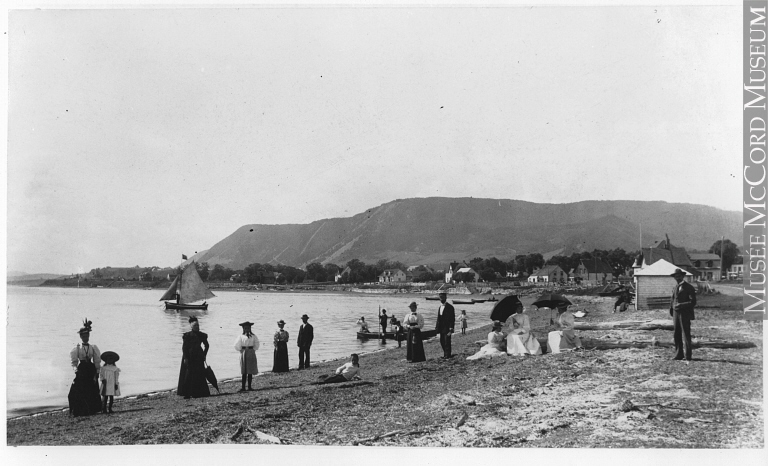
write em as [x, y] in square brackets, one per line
[463, 320]
[109, 375]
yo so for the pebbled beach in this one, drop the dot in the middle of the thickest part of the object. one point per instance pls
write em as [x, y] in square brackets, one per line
[618, 398]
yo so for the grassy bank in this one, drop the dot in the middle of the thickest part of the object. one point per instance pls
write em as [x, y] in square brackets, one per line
[626, 398]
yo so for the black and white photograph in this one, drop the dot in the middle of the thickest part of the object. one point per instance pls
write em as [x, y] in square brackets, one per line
[382, 233]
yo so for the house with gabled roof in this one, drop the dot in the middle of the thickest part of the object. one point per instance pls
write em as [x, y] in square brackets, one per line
[548, 274]
[392, 276]
[706, 265]
[594, 270]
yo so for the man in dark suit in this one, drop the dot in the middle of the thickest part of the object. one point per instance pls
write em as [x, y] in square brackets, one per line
[681, 310]
[446, 317]
[304, 341]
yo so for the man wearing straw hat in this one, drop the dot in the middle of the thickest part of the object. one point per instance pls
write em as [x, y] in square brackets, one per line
[681, 310]
[247, 344]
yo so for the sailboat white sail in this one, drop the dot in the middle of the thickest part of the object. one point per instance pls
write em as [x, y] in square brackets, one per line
[187, 288]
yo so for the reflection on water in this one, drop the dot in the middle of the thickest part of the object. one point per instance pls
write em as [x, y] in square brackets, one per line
[42, 326]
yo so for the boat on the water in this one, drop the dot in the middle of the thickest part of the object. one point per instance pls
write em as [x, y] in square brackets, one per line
[432, 298]
[393, 336]
[459, 301]
[186, 289]
[479, 300]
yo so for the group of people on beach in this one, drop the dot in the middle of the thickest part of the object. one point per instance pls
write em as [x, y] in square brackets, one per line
[87, 397]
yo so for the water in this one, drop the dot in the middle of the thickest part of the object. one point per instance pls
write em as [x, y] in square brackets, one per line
[42, 325]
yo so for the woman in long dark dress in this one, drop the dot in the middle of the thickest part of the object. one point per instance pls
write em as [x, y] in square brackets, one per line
[281, 349]
[192, 383]
[84, 397]
[414, 322]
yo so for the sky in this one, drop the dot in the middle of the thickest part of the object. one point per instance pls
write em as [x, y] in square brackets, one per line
[135, 136]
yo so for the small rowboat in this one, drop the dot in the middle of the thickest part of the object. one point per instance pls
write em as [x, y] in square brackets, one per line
[479, 300]
[458, 301]
[393, 336]
[432, 298]
[182, 307]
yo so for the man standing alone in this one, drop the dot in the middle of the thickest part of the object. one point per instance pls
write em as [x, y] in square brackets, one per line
[446, 318]
[681, 310]
[306, 335]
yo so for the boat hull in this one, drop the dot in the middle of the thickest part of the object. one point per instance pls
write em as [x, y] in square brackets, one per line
[457, 301]
[180, 307]
[392, 335]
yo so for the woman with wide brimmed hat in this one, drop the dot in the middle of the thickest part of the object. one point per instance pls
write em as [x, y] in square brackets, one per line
[194, 349]
[564, 339]
[281, 348]
[247, 344]
[84, 398]
[413, 322]
[495, 346]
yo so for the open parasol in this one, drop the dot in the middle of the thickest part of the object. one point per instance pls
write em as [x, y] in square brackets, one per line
[211, 377]
[505, 308]
[551, 300]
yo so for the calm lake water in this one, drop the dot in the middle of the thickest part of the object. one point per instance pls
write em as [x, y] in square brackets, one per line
[42, 325]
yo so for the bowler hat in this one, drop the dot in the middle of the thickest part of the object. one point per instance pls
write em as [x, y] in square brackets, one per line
[413, 304]
[677, 272]
[246, 324]
[305, 317]
[281, 321]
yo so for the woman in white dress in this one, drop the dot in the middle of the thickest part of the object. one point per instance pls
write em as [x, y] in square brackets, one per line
[565, 338]
[495, 346]
[520, 340]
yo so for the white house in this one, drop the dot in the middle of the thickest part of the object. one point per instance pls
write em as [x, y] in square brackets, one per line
[654, 285]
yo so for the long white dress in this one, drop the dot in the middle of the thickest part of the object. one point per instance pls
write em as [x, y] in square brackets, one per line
[566, 338]
[520, 340]
[495, 346]
[110, 380]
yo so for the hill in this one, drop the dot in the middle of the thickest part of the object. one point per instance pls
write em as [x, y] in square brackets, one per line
[438, 230]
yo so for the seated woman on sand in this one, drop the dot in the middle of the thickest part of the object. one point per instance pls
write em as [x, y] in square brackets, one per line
[564, 339]
[520, 340]
[495, 346]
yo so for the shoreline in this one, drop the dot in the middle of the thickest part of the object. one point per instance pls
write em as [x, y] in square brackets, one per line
[617, 398]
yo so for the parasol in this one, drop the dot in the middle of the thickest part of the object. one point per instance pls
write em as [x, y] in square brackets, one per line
[505, 308]
[211, 377]
[551, 301]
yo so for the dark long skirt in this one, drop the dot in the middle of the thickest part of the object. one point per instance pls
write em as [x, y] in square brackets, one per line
[281, 357]
[415, 347]
[84, 398]
[192, 381]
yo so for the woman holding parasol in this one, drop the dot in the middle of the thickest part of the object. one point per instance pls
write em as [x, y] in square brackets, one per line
[192, 381]
[565, 338]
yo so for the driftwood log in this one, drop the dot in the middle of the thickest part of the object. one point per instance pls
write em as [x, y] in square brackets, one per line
[657, 324]
[592, 343]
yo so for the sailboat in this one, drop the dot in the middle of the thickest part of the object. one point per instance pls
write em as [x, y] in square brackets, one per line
[187, 288]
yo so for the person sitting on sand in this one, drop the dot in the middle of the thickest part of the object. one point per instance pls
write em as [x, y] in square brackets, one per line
[520, 340]
[347, 372]
[496, 344]
[363, 325]
[564, 339]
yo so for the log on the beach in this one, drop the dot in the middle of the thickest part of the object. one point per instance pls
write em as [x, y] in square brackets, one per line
[658, 324]
[591, 343]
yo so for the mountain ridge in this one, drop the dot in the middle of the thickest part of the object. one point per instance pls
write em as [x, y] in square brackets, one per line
[437, 230]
